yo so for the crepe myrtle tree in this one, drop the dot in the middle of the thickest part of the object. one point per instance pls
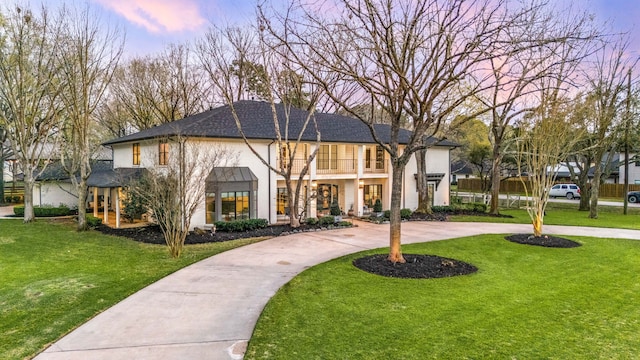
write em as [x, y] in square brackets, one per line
[174, 192]
[282, 85]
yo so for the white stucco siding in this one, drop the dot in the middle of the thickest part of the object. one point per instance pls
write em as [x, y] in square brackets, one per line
[242, 156]
[438, 161]
[634, 170]
[51, 193]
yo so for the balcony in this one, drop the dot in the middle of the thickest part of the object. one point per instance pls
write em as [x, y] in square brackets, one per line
[333, 166]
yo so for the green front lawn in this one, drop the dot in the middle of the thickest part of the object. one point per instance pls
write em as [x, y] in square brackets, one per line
[567, 214]
[525, 302]
[53, 278]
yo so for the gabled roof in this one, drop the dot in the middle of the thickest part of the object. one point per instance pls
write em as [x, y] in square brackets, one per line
[256, 119]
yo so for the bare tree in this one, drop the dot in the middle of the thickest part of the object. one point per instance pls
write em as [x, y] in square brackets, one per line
[174, 193]
[607, 78]
[416, 60]
[529, 51]
[88, 57]
[219, 51]
[158, 89]
[29, 91]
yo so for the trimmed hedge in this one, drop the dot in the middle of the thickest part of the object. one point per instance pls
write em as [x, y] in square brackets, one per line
[311, 221]
[405, 214]
[93, 221]
[241, 225]
[44, 211]
[326, 220]
[478, 207]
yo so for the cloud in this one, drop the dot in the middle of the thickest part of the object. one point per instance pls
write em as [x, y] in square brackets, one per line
[158, 16]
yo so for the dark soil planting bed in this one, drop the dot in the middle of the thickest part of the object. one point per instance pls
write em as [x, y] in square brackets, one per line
[153, 235]
[544, 240]
[416, 267]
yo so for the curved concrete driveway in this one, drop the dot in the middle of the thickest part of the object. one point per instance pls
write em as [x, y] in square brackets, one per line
[209, 309]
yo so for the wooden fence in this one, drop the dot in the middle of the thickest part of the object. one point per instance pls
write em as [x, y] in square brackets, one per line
[512, 186]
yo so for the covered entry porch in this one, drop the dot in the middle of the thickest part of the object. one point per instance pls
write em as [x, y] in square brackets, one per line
[105, 193]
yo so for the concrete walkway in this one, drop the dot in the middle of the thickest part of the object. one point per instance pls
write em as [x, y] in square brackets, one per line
[209, 309]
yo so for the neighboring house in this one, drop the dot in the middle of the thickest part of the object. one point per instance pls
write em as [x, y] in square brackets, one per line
[634, 168]
[349, 167]
[461, 170]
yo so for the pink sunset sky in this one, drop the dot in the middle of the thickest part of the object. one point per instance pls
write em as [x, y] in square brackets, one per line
[152, 24]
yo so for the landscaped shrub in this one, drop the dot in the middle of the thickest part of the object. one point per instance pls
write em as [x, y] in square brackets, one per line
[386, 214]
[454, 208]
[8, 199]
[93, 221]
[479, 207]
[326, 220]
[134, 205]
[377, 206]
[311, 221]
[241, 225]
[16, 199]
[44, 210]
[345, 223]
[405, 214]
[335, 208]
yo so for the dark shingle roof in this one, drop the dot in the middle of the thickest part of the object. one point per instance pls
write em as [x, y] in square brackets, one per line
[108, 178]
[55, 171]
[257, 123]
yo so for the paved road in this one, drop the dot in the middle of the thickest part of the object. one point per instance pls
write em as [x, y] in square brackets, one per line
[209, 309]
[563, 200]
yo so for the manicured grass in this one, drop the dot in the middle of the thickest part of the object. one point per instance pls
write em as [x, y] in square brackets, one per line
[567, 214]
[54, 278]
[525, 302]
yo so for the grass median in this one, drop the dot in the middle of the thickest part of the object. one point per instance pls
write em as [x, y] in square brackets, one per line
[566, 214]
[54, 278]
[524, 302]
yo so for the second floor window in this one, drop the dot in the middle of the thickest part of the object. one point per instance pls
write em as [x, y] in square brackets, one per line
[163, 153]
[136, 154]
[327, 157]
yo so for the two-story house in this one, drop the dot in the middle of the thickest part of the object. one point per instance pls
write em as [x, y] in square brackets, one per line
[349, 167]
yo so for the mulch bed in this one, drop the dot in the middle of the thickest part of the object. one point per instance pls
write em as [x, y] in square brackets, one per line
[152, 234]
[544, 240]
[416, 267]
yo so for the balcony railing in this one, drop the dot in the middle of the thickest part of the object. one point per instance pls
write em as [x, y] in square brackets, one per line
[376, 167]
[332, 166]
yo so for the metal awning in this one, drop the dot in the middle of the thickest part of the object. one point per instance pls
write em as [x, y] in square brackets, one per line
[231, 178]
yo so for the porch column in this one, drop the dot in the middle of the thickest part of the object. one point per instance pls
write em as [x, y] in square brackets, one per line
[117, 200]
[95, 201]
[313, 204]
[105, 217]
[359, 192]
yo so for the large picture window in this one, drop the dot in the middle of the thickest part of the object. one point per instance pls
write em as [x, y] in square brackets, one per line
[211, 207]
[136, 154]
[371, 194]
[235, 205]
[163, 153]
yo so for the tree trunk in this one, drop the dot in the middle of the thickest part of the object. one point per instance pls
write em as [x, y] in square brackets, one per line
[585, 196]
[82, 205]
[28, 196]
[395, 249]
[495, 181]
[424, 202]
[294, 222]
[537, 224]
[595, 191]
